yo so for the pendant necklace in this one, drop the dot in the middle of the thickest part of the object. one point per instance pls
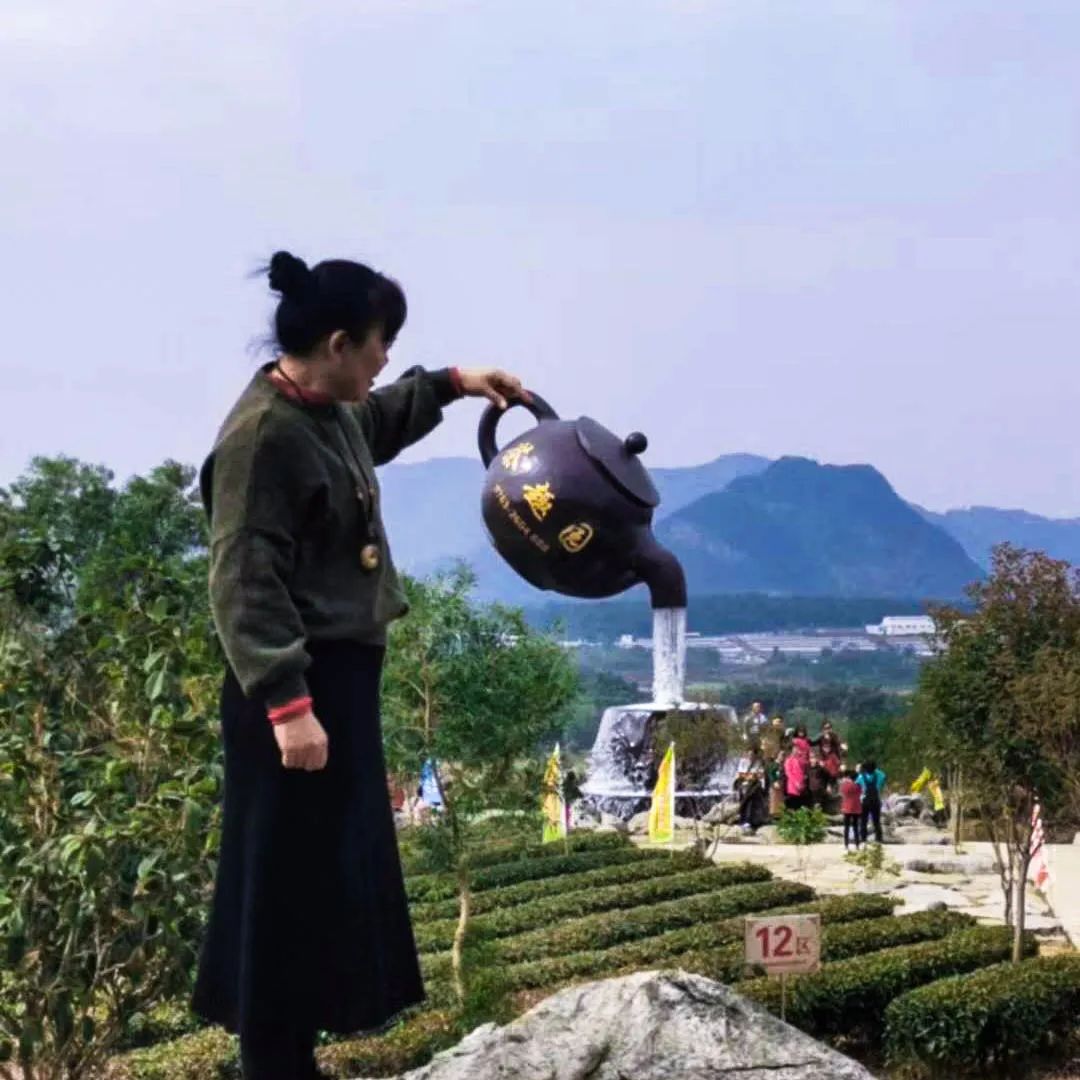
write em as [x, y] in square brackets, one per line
[365, 496]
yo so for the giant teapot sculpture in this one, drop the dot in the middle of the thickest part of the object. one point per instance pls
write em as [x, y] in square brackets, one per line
[569, 506]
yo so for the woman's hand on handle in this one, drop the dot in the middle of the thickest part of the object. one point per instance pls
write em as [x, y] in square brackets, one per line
[303, 743]
[498, 386]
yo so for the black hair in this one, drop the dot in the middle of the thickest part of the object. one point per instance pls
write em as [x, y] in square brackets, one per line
[869, 766]
[336, 294]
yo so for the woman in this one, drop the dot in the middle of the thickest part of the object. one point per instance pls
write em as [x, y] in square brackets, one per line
[795, 770]
[750, 785]
[775, 776]
[309, 927]
[830, 750]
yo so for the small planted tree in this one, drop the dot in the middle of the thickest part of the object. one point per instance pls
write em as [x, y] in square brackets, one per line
[802, 828]
[996, 704]
[481, 694]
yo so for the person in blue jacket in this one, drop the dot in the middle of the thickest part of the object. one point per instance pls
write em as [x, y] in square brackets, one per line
[872, 781]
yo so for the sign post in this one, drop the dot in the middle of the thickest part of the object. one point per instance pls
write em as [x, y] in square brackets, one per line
[783, 945]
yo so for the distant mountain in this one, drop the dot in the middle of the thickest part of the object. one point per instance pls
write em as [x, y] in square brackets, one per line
[742, 524]
[979, 528]
[680, 487]
[800, 528]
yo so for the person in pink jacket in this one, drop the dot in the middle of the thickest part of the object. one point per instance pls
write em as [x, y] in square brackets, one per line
[795, 767]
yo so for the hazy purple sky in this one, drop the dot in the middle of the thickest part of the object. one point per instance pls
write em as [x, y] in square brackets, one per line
[845, 230]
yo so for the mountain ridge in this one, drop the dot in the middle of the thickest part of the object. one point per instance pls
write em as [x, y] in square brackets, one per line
[432, 510]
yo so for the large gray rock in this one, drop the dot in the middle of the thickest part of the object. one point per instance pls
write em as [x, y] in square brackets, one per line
[639, 823]
[920, 834]
[951, 864]
[725, 812]
[648, 1026]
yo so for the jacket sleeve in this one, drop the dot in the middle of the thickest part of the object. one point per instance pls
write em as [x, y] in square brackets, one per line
[398, 415]
[257, 496]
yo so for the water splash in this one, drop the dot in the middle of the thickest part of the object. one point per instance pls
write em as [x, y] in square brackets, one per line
[669, 655]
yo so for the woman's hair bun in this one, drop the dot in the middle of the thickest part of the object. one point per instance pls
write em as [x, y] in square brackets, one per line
[289, 275]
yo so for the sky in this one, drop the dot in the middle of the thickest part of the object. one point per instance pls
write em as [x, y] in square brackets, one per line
[845, 230]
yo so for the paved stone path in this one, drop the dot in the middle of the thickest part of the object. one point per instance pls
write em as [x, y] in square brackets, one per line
[929, 874]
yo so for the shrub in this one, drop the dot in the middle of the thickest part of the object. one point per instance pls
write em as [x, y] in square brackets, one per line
[428, 887]
[660, 865]
[803, 826]
[613, 927]
[110, 767]
[406, 1046]
[1003, 1013]
[850, 996]
[166, 1020]
[209, 1054]
[213, 1054]
[499, 851]
[516, 920]
[647, 952]
[725, 964]
[871, 862]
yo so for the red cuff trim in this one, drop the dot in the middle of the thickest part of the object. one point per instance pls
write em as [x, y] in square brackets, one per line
[282, 714]
[455, 381]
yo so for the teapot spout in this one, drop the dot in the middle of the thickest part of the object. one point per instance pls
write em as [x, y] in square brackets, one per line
[662, 572]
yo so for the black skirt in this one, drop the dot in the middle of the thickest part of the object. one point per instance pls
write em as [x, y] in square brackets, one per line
[309, 924]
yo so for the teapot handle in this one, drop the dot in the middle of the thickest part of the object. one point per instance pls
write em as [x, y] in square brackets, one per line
[485, 435]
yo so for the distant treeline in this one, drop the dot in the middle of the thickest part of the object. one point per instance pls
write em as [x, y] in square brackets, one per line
[730, 614]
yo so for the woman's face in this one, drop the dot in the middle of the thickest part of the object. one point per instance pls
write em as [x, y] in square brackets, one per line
[355, 366]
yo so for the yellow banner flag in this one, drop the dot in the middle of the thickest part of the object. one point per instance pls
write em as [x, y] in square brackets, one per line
[662, 812]
[552, 803]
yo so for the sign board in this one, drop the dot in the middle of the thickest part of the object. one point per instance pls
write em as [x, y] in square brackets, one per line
[784, 944]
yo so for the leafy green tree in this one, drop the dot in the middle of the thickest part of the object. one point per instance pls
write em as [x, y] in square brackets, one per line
[995, 702]
[481, 694]
[110, 765]
[52, 519]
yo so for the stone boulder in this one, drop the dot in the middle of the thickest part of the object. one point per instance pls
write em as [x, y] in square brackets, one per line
[647, 1026]
[914, 833]
[725, 812]
[952, 864]
[903, 806]
[639, 823]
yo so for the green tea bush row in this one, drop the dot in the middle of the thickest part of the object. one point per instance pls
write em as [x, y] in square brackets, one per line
[496, 853]
[614, 927]
[208, 1054]
[406, 1046]
[213, 1054]
[166, 1020]
[606, 929]
[659, 949]
[1003, 1014]
[851, 996]
[838, 942]
[428, 887]
[435, 936]
[659, 866]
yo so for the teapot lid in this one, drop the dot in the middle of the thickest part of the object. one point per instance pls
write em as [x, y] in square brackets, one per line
[618, 459]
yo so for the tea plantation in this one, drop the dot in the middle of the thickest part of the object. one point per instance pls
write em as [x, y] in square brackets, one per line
[928, 993]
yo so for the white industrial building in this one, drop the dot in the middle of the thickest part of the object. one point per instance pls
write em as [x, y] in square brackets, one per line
[904, 626]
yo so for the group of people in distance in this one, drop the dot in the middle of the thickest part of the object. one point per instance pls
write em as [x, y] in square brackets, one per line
[786, 769]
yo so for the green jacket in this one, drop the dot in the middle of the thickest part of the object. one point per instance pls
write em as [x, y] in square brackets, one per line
[291, 495]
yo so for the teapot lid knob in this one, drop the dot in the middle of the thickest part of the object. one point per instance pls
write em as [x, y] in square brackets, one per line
[636, 443]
